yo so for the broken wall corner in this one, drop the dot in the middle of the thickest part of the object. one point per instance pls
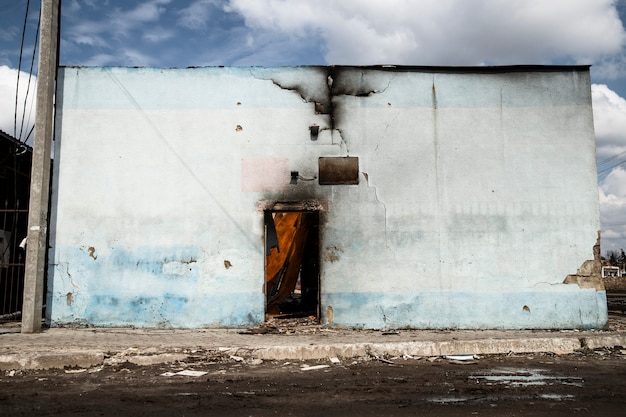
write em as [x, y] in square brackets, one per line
[589, 275]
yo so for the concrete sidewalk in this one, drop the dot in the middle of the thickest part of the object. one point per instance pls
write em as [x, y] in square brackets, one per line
[88, 347]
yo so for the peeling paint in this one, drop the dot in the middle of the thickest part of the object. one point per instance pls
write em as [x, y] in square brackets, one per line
[332, 253]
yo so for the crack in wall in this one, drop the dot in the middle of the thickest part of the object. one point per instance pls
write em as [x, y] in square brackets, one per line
[438, 184]
[66, 272]
[388, 126]
[383, 204]
[342, 142]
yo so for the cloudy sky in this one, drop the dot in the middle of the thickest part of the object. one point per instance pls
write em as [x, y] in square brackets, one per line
[181, 33]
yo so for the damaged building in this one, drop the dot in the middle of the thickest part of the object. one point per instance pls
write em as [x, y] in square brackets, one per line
[373, 197]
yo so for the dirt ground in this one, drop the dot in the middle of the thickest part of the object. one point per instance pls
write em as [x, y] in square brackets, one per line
[615, 284]
[588, 384]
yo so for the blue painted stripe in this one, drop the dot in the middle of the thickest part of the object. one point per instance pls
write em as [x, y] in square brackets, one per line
[164, 311]
[558, 309]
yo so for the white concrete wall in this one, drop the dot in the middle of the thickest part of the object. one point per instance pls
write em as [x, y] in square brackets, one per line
[477, 194]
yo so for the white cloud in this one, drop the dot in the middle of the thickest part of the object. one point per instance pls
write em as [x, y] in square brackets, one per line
[123, 22]
[131, 56]
[609, 113]
[100, 60]
[136, 58]
[613, 210]
[8, 83]
[158, 34]
[196, 15]
[8, 33]
[445, 32]
[610, 125]
[89, 33]
[112, 34]
[614, 186]
[119, 23]
[73, 6]
[149, 11]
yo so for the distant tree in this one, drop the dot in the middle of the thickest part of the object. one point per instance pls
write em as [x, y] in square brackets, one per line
[613, 257]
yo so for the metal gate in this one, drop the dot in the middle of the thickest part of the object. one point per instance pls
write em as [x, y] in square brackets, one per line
[13, 223]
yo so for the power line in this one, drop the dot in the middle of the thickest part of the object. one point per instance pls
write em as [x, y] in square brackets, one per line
[611, 158]
[30, 77]
[607, 169]
[19, 69]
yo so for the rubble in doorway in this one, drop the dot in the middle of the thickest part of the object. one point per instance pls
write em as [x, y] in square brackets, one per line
[289, 325]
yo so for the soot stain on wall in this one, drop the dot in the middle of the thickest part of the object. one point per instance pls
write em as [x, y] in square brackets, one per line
[359, 82]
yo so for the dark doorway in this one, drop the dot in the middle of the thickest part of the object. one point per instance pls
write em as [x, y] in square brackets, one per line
[292, 284]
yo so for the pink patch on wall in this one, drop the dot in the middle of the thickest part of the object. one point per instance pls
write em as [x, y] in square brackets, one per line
[264, 174]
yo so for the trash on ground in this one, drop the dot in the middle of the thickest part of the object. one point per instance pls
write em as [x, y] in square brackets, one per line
[460, 357]
[334, 360]
[462, 362]
[75, 371]
[185, 372]
[314, 367]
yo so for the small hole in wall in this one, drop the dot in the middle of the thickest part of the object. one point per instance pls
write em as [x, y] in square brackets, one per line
[526, 308]
[239, 128]
[315, 130]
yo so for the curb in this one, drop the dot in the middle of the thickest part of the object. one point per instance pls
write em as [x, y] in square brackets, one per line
[560, 346]
[51, 360]
[91, 358]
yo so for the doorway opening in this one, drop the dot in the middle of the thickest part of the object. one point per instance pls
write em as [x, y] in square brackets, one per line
[292, 282]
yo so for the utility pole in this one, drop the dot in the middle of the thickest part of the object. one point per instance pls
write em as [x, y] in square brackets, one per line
[40, 174]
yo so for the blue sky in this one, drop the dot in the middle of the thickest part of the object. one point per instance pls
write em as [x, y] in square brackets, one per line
[182, 33]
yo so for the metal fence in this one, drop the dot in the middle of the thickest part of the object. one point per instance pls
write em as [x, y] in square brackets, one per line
[13, 223]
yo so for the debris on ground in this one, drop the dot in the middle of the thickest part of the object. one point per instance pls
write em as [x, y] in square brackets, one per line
[186, 372]
[313, 367]
[287, 325]
[460, 357]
